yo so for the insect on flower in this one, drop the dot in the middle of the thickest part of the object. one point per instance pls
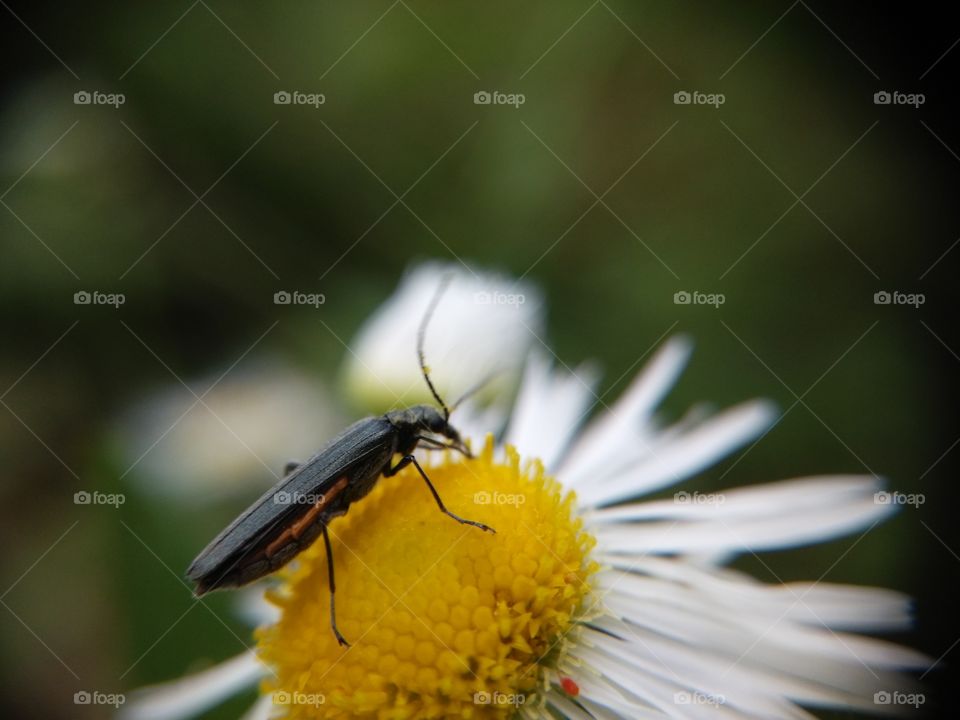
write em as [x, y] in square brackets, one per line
[596, 589]
[287, 518]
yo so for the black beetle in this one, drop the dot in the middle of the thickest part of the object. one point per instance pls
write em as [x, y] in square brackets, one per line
[287, 519]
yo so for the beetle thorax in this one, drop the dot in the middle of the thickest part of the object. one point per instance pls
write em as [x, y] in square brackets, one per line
[419, 419]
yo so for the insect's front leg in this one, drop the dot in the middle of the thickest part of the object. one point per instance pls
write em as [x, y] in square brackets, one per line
[431, 444]
[407, 460]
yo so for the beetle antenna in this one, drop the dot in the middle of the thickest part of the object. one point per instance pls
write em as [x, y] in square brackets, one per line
[475, 389]
[422, 335]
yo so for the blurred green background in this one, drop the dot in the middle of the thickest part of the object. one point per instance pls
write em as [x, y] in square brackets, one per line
[599, 188]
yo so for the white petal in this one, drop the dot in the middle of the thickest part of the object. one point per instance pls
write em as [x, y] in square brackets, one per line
[566, 707]
[534, 711]
[483, 327]
[683, 612]
[844, 607]
[671, 458]
[549, 409]
[191, 695]
[600, 690]
[753, 665]
[654, 689]
[697, 676]
[602, 712]
[766, 517]
[475, 421]
[604, 439]
[744, 502]
[251, 605]
[261, 709]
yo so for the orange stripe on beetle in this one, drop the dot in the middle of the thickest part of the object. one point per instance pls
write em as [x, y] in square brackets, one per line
[296, 528]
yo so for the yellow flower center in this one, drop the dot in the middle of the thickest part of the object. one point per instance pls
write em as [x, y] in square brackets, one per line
[444, 619]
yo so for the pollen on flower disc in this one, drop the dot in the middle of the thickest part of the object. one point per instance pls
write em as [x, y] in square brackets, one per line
[444, 620]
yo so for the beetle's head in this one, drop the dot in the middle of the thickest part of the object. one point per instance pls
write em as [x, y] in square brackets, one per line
[433, 421]
[426, 419]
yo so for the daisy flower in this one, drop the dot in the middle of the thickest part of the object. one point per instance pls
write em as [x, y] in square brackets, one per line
[588, 602]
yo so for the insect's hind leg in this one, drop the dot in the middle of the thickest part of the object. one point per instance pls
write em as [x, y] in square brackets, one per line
[410, 459]
[333, 588]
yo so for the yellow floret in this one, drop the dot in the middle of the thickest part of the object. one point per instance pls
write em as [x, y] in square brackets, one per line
[444, 620]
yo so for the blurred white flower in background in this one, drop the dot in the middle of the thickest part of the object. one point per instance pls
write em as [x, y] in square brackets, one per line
[483, 328]
[237, 439]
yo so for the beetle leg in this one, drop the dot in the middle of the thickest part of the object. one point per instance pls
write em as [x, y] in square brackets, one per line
[433, 444]
[333, 588]
[407, 460]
